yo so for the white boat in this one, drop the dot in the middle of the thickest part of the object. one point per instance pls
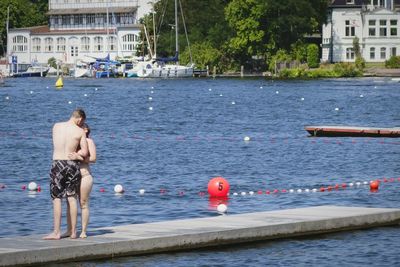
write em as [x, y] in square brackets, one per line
[32, 71]
[159, 68]
[82, 70]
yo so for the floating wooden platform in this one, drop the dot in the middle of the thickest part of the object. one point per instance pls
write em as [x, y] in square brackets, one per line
[169, 236]
[352, 131]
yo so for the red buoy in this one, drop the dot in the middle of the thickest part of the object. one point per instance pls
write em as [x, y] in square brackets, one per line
[218, 187]
[374, 185]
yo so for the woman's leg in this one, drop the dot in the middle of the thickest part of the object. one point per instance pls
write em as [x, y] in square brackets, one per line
[86, 188]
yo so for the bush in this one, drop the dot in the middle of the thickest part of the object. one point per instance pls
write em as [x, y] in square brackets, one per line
[360, 63]
[393, 62]
[280, 56]
[313, 56]
[346, 70]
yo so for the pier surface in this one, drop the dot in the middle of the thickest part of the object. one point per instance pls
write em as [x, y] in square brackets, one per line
[136, 239]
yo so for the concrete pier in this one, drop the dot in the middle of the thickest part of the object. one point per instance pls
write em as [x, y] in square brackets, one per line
[136, 239]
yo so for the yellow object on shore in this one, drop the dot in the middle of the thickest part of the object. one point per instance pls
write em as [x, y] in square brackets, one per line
[59, 83]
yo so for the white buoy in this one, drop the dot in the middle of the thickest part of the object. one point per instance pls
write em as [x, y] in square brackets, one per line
[151, 92]
[276, 92]
[47, 87]
[246, 139]
[243, 193]
[209, 89]
[336, 109]
[7, 97]
[365, 183]
[222, 208]
[235, 194]
[314, 190]
[31, 92]
[251, 193]
[299, 190]
[85, 95]
[32, 186]
[118, 189]
[291, 191]
[233, 102]
[302, 99]
[307, 190]
[220, 95]
[70, 102]
[150, 98]
[142, 191]
[96, 89]
[358, 183]
[150, 108]
[261, 87]
[351, 184]
[361, 95]
[152, 87]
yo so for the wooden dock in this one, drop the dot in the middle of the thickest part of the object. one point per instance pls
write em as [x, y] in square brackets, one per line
[138, 239]
[351, 131]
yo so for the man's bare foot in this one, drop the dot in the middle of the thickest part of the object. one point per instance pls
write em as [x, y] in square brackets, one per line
[52, 236]
[66, 234]
[73, 236]
[83, 235]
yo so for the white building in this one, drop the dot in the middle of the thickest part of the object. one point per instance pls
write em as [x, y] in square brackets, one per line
[376, 23]
[79, 28]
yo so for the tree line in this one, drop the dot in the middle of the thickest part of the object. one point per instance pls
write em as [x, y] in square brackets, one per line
[222, 33]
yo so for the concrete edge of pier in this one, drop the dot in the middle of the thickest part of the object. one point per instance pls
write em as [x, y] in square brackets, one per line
[168, 236]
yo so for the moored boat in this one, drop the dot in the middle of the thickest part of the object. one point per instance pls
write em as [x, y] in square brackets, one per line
[352, 131]
[32, 71]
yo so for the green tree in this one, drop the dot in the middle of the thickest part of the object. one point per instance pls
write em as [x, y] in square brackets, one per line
[203, 55]
[263, 27]
[312, 56]
[23, 13]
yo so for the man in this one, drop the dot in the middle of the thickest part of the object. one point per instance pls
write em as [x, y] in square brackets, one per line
[65, 174]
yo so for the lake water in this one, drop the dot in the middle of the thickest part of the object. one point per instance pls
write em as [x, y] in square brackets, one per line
[170, 137]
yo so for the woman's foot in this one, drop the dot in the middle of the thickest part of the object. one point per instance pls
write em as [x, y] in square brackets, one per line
[83, 235]
[73, 236]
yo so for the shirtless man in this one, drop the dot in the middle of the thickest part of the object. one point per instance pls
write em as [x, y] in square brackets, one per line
[65, 174]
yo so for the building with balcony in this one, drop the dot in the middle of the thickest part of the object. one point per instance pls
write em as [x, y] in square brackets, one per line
[80, 28]
[376, 23]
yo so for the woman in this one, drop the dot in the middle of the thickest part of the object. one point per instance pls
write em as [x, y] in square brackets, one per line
[87, 181]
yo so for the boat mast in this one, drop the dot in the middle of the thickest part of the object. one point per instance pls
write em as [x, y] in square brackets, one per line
[176, 32]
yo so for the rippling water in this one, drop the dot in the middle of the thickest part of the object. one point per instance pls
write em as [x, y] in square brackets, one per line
[195, 131]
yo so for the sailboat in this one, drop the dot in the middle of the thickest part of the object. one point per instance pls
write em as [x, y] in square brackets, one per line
[165, 67]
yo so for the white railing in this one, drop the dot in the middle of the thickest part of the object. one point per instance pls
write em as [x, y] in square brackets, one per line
[77, 4]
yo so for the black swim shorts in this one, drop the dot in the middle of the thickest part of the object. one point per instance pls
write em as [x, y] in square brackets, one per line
[65, 179]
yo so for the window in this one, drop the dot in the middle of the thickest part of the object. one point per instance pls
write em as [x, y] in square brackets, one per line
[349, 53]
[382, 28]
[112, 43]
[393, 51]
[61, 44]
[85, 44]
[349, 2]
[48, 44]
[383, 52]
[20, 43]
[36, 44]
[128, 42]
[393, 27]
[372, 53]
[350, 29]
[371, 28]
[98, 43]
[376, 2]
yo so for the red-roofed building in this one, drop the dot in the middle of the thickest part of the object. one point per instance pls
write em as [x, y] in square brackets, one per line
[81, 28]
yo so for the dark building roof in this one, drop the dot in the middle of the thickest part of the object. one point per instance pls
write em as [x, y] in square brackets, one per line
[357, 3]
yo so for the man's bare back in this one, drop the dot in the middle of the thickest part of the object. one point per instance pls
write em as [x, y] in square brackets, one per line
[67, 136]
